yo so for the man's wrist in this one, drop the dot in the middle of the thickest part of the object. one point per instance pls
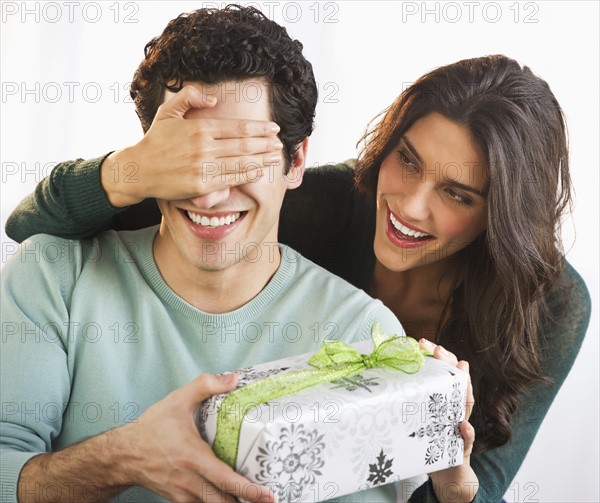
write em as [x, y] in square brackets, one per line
[120, 454]
[88, 471]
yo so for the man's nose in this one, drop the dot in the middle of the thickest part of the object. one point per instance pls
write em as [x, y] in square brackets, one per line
[212, 199]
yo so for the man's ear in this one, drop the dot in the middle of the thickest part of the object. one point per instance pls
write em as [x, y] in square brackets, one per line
[296, 171]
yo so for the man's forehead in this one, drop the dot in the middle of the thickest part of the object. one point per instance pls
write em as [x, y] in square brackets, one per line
[240, 99]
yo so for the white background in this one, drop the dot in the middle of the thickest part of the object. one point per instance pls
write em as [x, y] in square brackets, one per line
[66, 68]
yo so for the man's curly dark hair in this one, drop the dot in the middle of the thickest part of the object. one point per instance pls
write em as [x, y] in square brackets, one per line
[230, 44]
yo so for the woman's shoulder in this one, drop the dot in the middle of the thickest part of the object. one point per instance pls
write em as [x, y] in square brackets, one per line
[570, 297]
[326, 189]
[565, 323]
[329, 175]
[330, 222]
[576, 281]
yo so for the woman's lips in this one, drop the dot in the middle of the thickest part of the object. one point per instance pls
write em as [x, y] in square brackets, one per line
[403, 236]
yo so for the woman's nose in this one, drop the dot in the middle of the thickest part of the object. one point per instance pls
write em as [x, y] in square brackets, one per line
[415, 203]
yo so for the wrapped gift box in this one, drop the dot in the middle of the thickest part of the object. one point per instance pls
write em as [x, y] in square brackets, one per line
[371, 428]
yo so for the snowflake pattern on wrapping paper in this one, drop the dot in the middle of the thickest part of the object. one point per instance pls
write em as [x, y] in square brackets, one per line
[291, 463]
[245, 376]
[366, 431]
[442, 431]
[354, 382]
[380, 471]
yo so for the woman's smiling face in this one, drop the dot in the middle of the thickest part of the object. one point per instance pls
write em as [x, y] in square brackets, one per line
[431, 195]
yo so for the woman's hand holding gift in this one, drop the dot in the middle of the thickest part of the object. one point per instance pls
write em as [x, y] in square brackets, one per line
[458, 483]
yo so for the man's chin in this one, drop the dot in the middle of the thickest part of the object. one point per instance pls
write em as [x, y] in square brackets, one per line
[214, 264]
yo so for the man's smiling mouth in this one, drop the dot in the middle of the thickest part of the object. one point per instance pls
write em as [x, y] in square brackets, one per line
[213, 221]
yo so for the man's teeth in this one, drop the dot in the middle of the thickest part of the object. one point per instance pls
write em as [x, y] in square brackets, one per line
[405, 230]
[204, 221]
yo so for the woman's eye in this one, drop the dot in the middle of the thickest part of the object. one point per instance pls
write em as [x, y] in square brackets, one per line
[404, 159]
[459, 198]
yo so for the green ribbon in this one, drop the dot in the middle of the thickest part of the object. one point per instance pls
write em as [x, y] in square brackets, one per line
[335, 360]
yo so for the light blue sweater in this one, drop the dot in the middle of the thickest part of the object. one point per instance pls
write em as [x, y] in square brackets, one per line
[92, 336]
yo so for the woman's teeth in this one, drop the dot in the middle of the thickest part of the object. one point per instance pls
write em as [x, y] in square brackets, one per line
[402, 229]
[205, 221]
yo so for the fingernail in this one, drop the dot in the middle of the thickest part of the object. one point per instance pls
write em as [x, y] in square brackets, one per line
[444, 350]
[275, 128]
[268, 498]
[426, 343]
[277, 144]
[225, 377]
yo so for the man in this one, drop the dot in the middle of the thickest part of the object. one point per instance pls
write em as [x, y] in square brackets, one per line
[103, 340]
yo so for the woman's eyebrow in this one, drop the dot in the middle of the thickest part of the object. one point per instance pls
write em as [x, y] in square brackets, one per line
[411, 148]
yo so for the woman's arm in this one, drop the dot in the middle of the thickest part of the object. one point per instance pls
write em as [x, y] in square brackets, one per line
[69, 203]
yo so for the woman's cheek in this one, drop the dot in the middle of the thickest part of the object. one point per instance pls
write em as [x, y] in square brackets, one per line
[461, 231]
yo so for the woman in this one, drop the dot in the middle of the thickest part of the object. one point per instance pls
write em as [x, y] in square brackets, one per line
[450, 217]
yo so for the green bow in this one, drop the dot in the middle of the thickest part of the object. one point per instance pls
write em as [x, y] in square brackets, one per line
[335, 360]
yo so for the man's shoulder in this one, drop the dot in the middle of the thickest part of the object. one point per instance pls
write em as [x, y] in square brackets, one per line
[319, 275]
[40, 250]
[133, 243]
[46, 240]
[57, 255]
[330, 297]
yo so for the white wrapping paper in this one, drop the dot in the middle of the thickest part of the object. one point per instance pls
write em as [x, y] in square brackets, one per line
[371, 428]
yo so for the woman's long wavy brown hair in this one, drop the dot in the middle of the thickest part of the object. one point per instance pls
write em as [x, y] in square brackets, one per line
[501, 279]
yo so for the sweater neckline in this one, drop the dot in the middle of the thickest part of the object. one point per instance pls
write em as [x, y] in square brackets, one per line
[254, 307]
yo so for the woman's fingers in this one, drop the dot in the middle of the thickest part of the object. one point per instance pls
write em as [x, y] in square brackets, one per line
[179, 104]
[468, 433]
[238, 128]
[464, 366]
[233, 147]
[438, 351]
[441, 353]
